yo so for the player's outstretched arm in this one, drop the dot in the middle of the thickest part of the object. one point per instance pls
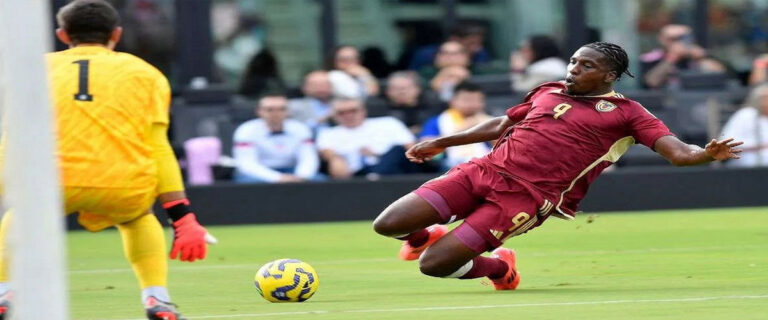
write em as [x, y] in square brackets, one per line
[488, 130]
[682, 154]
[190, 239]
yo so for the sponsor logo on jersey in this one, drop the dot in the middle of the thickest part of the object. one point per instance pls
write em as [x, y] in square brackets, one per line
[605, 106]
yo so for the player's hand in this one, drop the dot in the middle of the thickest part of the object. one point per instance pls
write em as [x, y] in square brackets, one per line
[723, 150]
[190, 239]
[423, 151]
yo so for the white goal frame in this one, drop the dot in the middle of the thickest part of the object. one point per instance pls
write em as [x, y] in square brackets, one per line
[36, 239]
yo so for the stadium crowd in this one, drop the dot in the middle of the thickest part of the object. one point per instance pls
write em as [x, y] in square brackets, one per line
[355, 117]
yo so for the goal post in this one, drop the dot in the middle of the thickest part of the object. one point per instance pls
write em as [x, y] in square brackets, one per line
[36, 239]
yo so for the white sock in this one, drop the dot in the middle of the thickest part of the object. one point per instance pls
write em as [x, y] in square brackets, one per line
[160, 293]
[4, 288]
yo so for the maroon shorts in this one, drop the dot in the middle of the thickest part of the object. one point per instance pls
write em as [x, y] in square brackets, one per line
[494, 206]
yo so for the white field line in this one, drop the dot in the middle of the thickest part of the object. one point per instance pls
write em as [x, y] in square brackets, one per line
[517, 305]
[375, 260]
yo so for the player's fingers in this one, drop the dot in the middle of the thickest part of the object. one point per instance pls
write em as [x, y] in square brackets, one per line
[174, 252]
[726, 141]
[735, 144]
[737, 150]
[194, 253]
[185, 254]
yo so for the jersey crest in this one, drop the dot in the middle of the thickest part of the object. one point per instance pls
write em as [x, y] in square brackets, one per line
[605, 106]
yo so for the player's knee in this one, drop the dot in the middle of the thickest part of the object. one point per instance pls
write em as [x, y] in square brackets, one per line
[433, 266]
[385, 226]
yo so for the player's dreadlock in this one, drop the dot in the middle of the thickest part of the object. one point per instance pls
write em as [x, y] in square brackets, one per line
[616, 55]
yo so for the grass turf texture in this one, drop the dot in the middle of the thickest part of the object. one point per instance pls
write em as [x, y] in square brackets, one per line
[702, 264]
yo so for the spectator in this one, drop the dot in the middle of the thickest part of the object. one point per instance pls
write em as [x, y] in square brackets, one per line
[471, 37]
[314, 109]
[750, 125]
[678, 53]
[406, 101]
[451, 54]
[359, 146]
[537, 61]
[467, 109]
[348, 77]
[759, 72]
[272, 148]
[261, 76]
[444, 83]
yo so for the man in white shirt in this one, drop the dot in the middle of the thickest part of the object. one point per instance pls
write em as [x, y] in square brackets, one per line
[314, 109]
[750, 124]
[360, 145]
[273, 148]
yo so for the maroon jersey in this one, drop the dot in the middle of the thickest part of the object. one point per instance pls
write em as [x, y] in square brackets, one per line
[561, 143]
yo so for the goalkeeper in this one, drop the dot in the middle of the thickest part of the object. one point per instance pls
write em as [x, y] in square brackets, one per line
[112, 116]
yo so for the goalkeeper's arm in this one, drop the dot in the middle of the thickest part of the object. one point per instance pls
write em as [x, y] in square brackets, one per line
[189, 242]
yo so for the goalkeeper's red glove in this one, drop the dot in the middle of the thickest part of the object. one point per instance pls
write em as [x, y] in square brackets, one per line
[189, 237]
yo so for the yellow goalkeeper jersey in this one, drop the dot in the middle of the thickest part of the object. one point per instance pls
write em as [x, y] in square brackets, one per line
[105, 103]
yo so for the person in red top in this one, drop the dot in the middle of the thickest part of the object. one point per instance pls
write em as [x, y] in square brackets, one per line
[549, 149]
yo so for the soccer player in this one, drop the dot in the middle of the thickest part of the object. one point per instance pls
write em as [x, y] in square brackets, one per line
[550, 148]
[112, 113]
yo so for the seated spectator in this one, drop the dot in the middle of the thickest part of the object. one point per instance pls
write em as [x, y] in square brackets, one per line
[678, 53]
[348, 76]
[451, 54]
[537, 61]
[446, 80]
[358, 145]
[750, 125]
[471, 37]
[405, 101]
[466, 109]
[273, 148]
[759, 72]
[314, 109]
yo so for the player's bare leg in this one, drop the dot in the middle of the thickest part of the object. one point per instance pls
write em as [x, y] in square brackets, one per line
[410, 218]
[451, 257]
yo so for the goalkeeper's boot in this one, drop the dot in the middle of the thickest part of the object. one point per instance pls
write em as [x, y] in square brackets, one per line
[407, 252]
[161, 310]
[512, 278]
[5, 306]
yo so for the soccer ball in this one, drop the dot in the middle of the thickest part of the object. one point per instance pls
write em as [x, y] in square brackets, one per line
[286, 280]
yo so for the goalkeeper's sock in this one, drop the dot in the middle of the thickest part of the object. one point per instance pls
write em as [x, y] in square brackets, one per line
[416, 238]
[4, 288]
[160, 293]
[144, 247]
[4, 255]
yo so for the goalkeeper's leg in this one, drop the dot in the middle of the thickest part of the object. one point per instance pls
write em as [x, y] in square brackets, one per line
[144, 247]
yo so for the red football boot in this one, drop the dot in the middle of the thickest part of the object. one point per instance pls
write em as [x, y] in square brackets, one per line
[410, 253]
[510, 280]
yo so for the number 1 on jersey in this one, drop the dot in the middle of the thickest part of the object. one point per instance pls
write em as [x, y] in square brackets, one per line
[560, 109]
[82, 92]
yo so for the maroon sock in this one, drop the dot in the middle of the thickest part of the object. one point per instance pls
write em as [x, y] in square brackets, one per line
[486, 267]
[416, 238]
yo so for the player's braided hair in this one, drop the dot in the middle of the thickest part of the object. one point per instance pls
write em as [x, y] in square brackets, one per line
[616, 56]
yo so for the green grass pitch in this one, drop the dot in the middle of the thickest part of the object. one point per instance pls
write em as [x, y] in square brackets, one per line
[696, 264]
